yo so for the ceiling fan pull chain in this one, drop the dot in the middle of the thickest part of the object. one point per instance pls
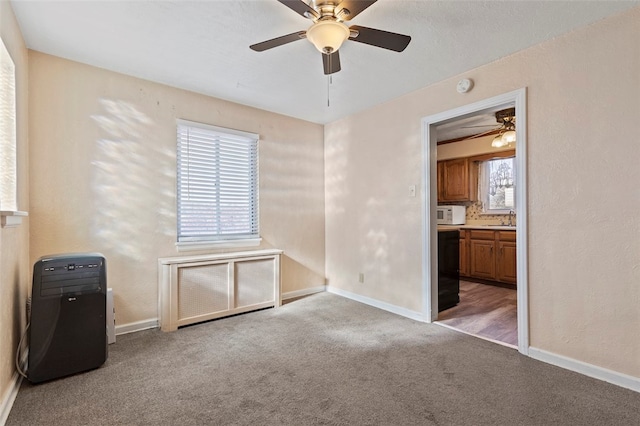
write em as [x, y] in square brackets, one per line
[329, 83]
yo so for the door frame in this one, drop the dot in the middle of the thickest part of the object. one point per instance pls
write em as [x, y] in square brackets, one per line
[430, 200]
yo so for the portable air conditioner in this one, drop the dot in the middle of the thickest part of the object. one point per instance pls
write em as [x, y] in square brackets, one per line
[68, 327]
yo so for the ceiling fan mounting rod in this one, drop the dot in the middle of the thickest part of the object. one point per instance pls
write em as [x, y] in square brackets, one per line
[507, 114]
[327, 10]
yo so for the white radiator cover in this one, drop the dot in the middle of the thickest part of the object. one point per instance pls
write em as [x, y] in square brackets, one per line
[199, 288]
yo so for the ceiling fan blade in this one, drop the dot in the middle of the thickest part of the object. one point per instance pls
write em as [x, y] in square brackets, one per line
[385, 39]
[278, 41]
[349, 9]
[301, 8]
[482, 125]
[331, 62]
[488, 132]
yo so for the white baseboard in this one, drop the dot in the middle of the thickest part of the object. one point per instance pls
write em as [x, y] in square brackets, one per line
[12, 392]
[303, 292]
[137, 326]
[417, 316]
[10, 397]
[619, 379]
[155, 322]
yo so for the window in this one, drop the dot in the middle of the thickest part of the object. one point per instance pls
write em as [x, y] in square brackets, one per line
[497, 185]
[8, 168]
[217, 177]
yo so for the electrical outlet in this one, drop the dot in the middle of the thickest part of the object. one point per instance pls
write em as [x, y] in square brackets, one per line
[361, 277]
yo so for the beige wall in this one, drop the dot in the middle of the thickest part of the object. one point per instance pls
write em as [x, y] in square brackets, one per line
[583, 100]
[14, 242]
[103, 176]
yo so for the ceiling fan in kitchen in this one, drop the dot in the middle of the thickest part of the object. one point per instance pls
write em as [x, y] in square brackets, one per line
[328, 31]
[506, 129]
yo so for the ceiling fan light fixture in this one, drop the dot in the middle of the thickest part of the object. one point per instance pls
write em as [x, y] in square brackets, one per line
[328, 36]
[497, 142]
[509, 137]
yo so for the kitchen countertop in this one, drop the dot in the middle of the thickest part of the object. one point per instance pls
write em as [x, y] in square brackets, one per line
[475, 226]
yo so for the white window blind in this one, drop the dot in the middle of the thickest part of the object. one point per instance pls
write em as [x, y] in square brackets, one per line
[217, 174]
[8, 168]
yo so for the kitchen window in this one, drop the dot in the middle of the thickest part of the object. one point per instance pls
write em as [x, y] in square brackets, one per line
[496, 182]
[217, 187]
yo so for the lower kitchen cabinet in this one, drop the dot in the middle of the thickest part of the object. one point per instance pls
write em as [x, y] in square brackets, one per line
[506, 262]
[488, 255]
[482, 254]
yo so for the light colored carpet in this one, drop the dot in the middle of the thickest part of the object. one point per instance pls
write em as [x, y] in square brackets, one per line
[321, 360]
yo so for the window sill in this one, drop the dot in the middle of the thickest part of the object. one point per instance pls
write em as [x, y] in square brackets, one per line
[11, 218]
[206, 245]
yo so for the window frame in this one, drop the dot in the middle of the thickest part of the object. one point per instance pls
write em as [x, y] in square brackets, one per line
[224, 141]
[484, 200]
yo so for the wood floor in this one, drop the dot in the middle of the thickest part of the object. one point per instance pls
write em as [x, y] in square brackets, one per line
[486, 311]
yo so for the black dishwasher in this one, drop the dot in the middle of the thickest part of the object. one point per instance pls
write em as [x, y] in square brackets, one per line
[448, 269]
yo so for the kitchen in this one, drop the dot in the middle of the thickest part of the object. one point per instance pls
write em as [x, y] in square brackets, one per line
[476, 214]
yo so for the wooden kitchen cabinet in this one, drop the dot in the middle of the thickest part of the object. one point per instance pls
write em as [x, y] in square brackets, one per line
[507, 260]
[488, 255]
[456, 180]
[482, 254]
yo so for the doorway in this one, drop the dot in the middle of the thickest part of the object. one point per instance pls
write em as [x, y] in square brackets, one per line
[515, 99]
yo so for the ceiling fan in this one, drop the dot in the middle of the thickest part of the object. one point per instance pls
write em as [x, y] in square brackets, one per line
[506, 129]
[328, 31]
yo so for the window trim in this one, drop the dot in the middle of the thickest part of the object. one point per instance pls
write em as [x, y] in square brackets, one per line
[221, 244]
[191, 243]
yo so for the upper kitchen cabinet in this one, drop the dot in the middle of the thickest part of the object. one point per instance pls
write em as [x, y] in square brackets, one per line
[456, 180]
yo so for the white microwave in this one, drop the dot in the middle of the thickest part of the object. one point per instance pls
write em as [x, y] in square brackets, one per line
[451, 215]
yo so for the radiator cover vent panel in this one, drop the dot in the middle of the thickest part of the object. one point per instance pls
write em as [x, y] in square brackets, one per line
[203, 290]
[249, 275]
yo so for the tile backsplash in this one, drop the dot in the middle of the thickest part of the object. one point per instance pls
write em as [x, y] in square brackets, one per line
[475, 215]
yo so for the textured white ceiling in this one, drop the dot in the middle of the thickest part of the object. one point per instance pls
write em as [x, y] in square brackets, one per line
[203, 46]
[479, 123]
